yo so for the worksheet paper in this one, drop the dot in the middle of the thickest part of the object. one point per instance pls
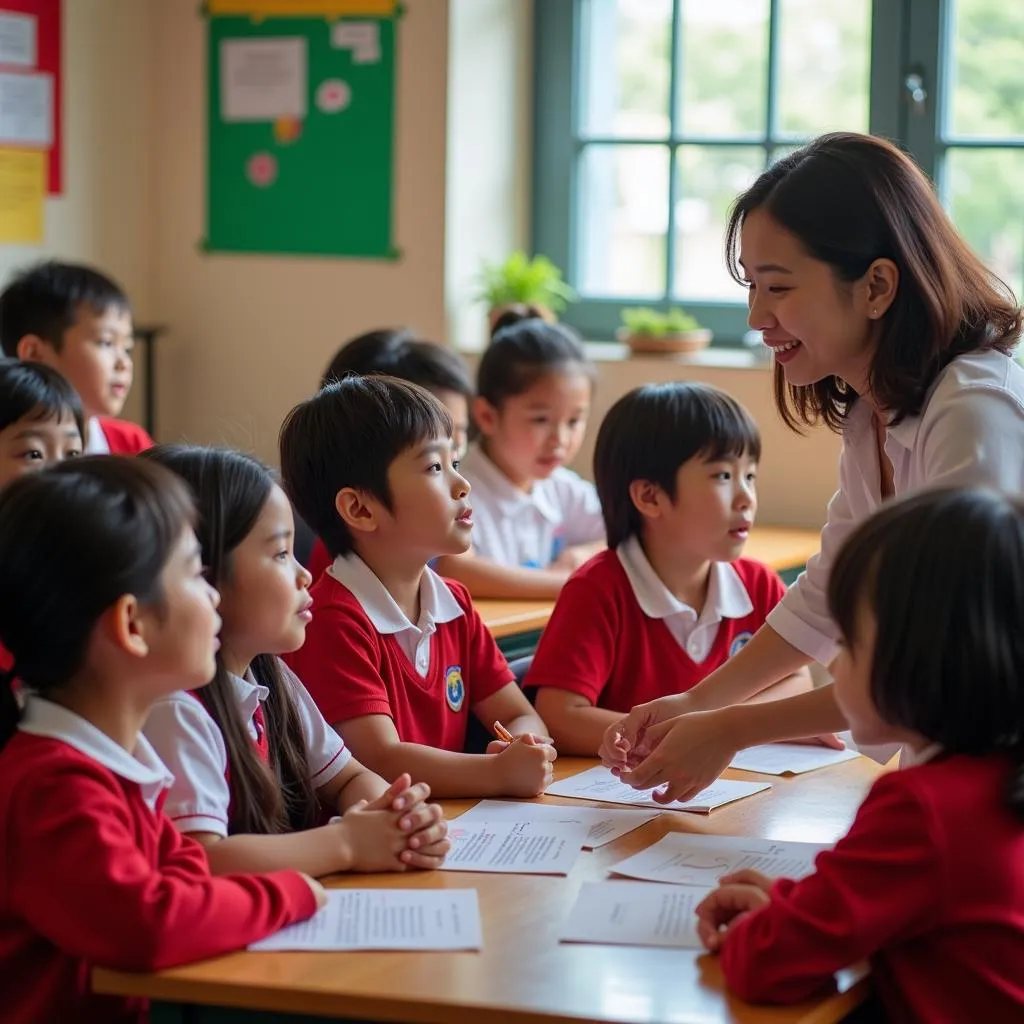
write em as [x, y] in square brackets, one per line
[604, 825]
[684, 859]
[789, 758]
[423, 919]
[599, 784]
[635, 914]
[516, 847]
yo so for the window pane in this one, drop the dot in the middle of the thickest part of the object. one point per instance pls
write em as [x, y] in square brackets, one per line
[623, 220]
[986, 64]
[724, 73]
[626, 68]
[710, 178]
[985, 199]
[823, 66]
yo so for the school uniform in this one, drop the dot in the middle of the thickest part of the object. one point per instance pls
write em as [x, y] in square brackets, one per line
[191, 744]
[109, 436]
[619, 637]
[362, 655]
[928, 884]
[970, 433]
[529, 529]
[95, 875]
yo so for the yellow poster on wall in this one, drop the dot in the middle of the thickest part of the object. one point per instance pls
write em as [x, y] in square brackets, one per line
[22, 195]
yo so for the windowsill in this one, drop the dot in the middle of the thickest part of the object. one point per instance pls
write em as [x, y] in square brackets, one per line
[716, 357]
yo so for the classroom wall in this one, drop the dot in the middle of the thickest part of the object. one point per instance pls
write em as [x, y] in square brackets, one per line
[250, 335]
[103, 216]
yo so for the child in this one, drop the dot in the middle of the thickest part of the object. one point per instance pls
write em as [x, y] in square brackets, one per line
[105, 609]
[400, 354]
[535, 520]
[885, 326]
[671, 599]
[41, 419]
[78, 321]
[396, 657]
[254, 763]
[928, 595]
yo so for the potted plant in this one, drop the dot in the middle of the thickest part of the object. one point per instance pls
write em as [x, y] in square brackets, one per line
[651, 332]
[520, 281]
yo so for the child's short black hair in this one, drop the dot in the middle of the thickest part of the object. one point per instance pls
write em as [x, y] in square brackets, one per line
[347, 435]
[650, 432]
[522, 352]
[942, 572]
[399, 353]
[33, 391]
[44, 300]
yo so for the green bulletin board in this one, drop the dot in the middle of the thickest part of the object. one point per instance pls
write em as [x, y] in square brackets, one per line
[301, 135]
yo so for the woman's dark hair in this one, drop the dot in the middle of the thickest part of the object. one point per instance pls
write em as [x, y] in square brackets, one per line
[399, 353]
[231, 490]
[73, 541]
[33, 391]
[651, 431]
[942, 573]
[852, 199]
[347, 435]
[524, 350]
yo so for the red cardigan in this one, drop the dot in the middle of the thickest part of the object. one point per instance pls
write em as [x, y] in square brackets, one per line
[124, 437]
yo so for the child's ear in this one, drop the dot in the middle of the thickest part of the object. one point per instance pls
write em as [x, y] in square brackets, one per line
[485, 416]
[356, 511]
[647, 497]
[33, 349]
[124, 626]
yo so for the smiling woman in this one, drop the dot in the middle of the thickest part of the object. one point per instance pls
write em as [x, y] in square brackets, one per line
[886, 327]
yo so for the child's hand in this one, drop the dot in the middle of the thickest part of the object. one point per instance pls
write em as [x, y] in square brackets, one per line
[572, 558]
[737, 895]
[374, 839]
[319, 892]
[525, 767]
[497, 746]
[401, 795]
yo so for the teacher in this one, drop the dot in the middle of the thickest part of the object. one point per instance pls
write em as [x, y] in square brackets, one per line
[886, 327]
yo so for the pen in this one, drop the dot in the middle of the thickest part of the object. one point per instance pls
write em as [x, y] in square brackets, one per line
[502, 733]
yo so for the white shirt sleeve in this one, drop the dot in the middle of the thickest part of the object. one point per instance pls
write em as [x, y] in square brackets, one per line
[190, 743]
[581, 510]
[325, 749]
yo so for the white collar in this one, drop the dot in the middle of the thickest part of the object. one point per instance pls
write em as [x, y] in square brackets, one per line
[437, 603]
[506, 497]
[96, 442]
[43, 717]
[249, 694]
[909, 759]
[727, 596]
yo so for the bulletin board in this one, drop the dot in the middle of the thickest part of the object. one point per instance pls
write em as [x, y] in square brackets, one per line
[301, 128]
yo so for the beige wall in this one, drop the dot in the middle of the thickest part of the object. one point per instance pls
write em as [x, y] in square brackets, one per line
[103, 215]
[249, 335]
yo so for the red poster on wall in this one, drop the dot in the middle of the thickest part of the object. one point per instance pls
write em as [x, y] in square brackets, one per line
[30, 80]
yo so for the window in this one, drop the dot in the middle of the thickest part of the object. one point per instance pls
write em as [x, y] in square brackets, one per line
[651, 115]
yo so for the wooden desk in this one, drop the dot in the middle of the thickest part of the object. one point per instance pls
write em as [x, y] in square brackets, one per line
[517, 624]
[523, 974]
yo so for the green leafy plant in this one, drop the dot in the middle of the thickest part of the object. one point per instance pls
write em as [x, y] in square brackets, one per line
[644, 320]
[532, 282]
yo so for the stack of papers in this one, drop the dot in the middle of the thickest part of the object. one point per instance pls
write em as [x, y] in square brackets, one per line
[684, 859]
[424, 919]
[604, 825]
[600, 784]
[789, 758]
[515, 847]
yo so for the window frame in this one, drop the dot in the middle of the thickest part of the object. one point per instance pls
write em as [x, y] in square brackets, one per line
[906, 36]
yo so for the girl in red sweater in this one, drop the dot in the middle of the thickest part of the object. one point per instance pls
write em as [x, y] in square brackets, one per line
[929, 882]
[105, 609]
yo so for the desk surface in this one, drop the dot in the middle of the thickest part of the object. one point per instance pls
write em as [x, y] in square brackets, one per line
[778, 546]
[523, 974]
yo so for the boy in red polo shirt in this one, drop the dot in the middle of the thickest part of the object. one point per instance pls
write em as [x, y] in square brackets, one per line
[395, 656]
[670, 600]
[78, 321]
